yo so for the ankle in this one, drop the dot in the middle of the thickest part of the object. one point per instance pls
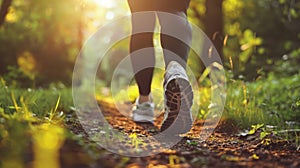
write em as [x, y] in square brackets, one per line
[145, 98]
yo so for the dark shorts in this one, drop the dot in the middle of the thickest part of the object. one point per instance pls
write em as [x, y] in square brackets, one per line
[158, 5]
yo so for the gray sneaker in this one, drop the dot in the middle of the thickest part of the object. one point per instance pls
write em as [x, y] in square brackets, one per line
[143, 112]
[178, 100]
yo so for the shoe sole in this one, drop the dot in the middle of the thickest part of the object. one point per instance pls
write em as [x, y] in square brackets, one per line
[179, 95]
[143, 118]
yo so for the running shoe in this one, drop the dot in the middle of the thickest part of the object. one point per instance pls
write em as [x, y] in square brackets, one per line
[178, 100]
[143, 112]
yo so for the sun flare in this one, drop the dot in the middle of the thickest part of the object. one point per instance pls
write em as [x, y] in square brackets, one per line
[105, 3]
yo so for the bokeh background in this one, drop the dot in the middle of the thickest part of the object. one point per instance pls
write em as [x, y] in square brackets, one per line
[40, 40]
[259, 42]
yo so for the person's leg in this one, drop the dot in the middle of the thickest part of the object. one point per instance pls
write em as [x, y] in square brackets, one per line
[176, 36]
[143, 62]
[176, 32]
[142, 57]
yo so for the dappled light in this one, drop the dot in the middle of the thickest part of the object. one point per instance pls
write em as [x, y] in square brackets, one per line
[105, 3]
[27, 63]
[49, 51]
[48, 140]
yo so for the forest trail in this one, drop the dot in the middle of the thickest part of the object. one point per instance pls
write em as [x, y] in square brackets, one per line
[224, 148]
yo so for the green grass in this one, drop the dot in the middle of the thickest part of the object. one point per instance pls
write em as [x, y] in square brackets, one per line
[39, 101]
[272, 100]
[34, 115]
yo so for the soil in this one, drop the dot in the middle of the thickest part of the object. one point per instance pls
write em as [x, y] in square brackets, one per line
[224, 148]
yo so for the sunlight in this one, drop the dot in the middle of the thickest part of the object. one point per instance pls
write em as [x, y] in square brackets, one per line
[109, 15]
[48, 139]
[105, 3]
[101, 12]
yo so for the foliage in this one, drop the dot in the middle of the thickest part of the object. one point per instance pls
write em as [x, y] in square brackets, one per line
[46, 32]
[272, 101]
[41, 39]
[32, 119]
[255, 128]
[256, 33]
[288, 65]
[259, 33]
[38, 101]
[16, 77]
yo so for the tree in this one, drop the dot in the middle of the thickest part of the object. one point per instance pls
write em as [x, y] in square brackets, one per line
[4, 10]
[46, 32]
[208, 15]
[214, 23]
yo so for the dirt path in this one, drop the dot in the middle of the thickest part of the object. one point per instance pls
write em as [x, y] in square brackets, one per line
[223, 149]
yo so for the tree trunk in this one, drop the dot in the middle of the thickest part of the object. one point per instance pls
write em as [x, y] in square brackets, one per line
[214, 24]
[4, 10]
